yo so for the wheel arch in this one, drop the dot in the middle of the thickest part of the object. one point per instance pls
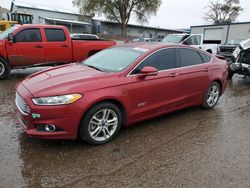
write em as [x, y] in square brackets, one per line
[220, 83]
[116, 102]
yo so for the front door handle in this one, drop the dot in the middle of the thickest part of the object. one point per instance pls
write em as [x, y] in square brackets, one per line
[65, 46]
[39, 46]
[173, 75]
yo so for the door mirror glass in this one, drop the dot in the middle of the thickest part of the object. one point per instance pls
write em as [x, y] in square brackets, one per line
[11, 37]
[148, 71]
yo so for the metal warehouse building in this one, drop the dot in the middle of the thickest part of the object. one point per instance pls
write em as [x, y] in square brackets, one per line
[42, 14]
[111, 29]
[221, 34]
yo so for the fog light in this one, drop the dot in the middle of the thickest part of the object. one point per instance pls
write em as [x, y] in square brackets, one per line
[50, 128]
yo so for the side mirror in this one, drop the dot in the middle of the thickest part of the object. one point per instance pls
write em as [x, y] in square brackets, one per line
[11, 37]
[148, 71]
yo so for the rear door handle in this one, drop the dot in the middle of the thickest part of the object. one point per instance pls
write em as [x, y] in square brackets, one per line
[173, 75]
[39, 46]
[65, 46]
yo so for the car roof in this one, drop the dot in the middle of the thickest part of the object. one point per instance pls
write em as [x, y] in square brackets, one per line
[41, 26]
[151, 45]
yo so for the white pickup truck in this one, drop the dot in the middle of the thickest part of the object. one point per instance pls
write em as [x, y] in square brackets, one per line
[195, 40]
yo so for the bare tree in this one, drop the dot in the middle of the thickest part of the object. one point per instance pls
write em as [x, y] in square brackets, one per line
[120, 11]
[221, 13]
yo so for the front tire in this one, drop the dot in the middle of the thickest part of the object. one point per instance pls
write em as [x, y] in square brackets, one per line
[101, 123]
[4, 69]
[211, 96]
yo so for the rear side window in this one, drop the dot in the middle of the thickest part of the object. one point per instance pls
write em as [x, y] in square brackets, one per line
[55, 35]
[189, 57]
[29, 35]
[206, 58]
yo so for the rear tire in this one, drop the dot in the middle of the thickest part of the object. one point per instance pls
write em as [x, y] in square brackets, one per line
[4, 69]
[212, 95]
[230, 74]
[100, 124]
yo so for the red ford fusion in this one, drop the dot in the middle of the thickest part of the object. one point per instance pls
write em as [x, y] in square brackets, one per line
[118, 87]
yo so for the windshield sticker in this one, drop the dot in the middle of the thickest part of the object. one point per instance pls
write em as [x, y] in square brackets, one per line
[141, 49]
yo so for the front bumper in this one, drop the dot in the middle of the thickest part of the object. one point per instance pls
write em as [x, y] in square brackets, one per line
[66, 118]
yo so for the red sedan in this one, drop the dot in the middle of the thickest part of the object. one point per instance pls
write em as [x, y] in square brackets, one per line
[117, 87]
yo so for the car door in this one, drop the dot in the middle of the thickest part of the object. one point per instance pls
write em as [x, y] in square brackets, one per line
[58, 46]
[194, 77]
[157, 94]
[27, 48]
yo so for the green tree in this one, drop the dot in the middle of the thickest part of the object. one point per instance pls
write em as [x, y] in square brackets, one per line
[120, 11]
[221, 13]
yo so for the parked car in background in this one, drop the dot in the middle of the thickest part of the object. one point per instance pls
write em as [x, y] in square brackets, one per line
[227, 49]
[34, 45]
[81, 36]
[240, 63]
[118, 87]
[195, 40]
[143, 40]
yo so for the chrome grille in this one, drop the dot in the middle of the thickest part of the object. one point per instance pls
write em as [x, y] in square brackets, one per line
[22, 105]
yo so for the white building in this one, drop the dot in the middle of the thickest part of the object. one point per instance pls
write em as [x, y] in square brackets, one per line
[222, 34]
[42, 14]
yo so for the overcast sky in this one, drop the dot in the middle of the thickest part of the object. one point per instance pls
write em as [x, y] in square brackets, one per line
[173, 14]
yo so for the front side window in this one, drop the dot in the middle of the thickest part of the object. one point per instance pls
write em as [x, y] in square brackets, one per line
[29, 35]
[189, 57]
[114, 59]
[55, 35]
[161, 60]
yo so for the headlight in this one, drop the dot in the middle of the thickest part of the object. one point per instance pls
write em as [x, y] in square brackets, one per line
[57, 100]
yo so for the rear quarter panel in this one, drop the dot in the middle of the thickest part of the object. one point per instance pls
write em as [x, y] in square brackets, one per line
[219, 72]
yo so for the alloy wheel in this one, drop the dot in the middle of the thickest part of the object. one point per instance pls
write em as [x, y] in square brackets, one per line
[213, 95]
[103, 125]
[2, 68]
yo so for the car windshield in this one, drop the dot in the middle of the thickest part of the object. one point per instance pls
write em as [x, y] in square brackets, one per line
[114, 59]
[4, 35]
[173, 38]
[234, 42]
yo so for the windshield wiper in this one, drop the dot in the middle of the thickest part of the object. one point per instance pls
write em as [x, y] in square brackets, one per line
[96, 68]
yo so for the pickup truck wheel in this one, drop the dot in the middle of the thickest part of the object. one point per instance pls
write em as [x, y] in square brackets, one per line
[212, 95]
[4, 69]
[101, 123]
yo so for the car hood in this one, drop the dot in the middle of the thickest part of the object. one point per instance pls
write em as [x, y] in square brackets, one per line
[62, 80]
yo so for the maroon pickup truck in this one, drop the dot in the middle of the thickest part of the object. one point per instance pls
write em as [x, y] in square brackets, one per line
[24, 46]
